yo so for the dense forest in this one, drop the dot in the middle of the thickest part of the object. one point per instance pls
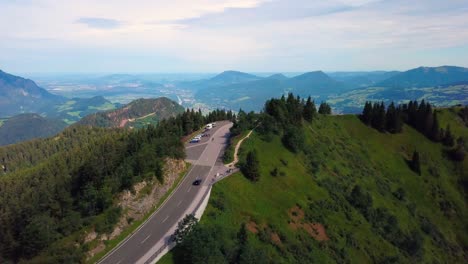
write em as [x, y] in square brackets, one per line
[327, 189]
[52, 188]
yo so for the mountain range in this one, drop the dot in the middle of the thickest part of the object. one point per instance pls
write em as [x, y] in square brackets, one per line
[426, 77]
[235, 90]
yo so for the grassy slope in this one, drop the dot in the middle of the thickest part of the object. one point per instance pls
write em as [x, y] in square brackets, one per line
[347, 153]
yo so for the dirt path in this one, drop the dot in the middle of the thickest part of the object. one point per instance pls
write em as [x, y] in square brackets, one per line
[236, 150]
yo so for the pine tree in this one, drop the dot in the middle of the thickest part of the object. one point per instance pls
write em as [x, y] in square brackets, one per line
[415, 163]
[448, 137]
[242, 235]
[309, 110]
[435, 130]
[379, 118]
[251, 167]
[367, 113]
[459, 152]
[391, 118]
[324, 109]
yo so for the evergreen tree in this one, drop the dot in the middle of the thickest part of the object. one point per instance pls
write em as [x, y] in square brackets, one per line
[415, 163]
[242, 235]
[366, 116]
[324, 109]
[251, 167]
[464, 115]
[435, 130]
[448, 139]
[309, 110]
[459, 153]
[379, 116]
[391, 118]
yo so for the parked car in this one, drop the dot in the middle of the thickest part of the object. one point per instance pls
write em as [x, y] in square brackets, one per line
[195, 140]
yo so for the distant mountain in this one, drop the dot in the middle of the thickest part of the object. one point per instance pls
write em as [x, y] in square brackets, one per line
[223, 79]
[277, 76]
[19, 95]
[426, 77]
[28, 126]
[136, 113]
[314, 83]
[250, 95]
[230, 77]
[354, 80]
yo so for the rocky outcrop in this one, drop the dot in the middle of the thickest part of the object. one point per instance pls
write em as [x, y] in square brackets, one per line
[139, 202]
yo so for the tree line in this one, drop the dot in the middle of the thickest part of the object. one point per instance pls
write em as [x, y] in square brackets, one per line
[421, 116]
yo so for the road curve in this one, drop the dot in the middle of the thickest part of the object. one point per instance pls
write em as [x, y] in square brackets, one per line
[206, 162]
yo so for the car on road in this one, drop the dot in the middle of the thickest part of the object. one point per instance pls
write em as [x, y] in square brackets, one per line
[197, 182]
[195, 140]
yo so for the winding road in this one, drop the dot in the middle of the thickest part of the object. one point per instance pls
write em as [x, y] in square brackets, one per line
[205, 157]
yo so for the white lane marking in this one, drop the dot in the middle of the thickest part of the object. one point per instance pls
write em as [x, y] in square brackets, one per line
[188, 190]
[165, 219]
[179, 203]
[119, 261]
[143, 241]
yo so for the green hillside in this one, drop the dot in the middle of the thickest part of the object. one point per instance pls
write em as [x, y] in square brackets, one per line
[138, 113]
[347, 196]
[28, 126]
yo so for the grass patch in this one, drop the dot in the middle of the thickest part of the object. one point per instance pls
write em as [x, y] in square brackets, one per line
[167, 259]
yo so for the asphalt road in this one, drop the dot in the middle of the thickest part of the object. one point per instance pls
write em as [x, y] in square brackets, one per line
[206, 163]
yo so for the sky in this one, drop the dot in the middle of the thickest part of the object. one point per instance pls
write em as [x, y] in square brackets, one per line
[216, 35]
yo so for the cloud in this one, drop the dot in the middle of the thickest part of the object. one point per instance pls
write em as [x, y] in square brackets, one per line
[249, 35]
[269, 11]
[100, 23]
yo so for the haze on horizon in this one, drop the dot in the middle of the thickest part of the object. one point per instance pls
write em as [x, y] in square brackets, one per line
[215, 35]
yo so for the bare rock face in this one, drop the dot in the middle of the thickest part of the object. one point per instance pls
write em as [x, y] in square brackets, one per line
[139, 202]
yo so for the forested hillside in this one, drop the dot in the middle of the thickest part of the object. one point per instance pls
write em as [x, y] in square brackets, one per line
[52, 189]
[316, 188]
[28, 126]
[137, 113]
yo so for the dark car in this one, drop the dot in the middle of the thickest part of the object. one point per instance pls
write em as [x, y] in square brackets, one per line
[197, 182]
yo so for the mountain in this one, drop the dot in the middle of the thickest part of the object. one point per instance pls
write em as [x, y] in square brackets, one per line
[28, 126]
[426, 77]
[19, 95]
[134, 113]
[250, 95]
[223, 79]
[230, 77]
[354, 80]
[314, 83]
[277, 76]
